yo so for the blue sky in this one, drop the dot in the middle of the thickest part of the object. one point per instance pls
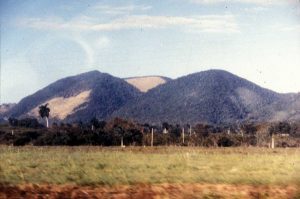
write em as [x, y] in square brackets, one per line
[45, 40]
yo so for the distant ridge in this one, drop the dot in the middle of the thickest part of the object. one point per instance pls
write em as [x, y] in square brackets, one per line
[213, 96]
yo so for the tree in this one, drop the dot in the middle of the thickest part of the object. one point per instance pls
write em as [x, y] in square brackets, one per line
[13, 121]
[95, 123]
[166, 125]
[44, 111]
[29, 123]
[122, 129]
[120, 133]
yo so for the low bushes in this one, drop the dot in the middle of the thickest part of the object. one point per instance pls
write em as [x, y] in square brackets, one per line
[112, 132]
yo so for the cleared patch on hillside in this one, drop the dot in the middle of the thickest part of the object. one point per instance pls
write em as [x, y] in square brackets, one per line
[146, 83]
[61, 107]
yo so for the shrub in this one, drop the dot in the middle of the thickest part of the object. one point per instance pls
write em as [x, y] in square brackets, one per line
[225, 141]
[22, 139]
[52, 138]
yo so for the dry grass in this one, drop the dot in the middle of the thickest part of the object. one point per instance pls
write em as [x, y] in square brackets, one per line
[62, 107]
[159, 172]
[112, 166]
[146, 83]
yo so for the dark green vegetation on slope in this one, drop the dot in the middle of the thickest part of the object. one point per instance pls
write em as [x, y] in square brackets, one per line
[213, 96]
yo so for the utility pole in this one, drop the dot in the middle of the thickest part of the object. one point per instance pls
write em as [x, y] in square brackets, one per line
[273, 142]
[122, 145]
[257, 144]
[183, 135]
[152, 137]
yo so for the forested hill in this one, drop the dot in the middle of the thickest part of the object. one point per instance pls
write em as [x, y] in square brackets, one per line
[213, 96]
[80, 97]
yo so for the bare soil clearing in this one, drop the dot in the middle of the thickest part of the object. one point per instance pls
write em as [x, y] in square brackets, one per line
[146, 191]
[146, 83]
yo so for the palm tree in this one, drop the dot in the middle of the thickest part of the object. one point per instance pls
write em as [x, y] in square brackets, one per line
[44, 111]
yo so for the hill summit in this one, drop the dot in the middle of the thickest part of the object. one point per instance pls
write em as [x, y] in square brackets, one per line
[213, 96]
[80, 97]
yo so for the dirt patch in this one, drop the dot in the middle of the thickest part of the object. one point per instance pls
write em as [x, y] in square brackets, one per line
[145, 191]
[146, 83]
[62, 107]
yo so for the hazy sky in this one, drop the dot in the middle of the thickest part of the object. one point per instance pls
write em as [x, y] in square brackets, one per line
[44, 40]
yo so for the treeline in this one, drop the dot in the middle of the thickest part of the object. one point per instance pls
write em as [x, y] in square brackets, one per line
[123, 132]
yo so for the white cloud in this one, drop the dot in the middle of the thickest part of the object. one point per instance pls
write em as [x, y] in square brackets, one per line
[120, 10]
[89, 51]
[202, 23]
[91, 45]
[101, 42]
[258, 9]
[287, 28]
[297, 11]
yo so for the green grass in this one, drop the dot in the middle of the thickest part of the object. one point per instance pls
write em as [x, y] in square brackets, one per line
[110, 166]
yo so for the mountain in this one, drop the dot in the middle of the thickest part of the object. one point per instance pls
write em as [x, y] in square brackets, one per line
[213, 96]
[4, 108]
[79, 97]
[146, 83]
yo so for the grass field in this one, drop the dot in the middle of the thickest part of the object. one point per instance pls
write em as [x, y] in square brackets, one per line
[110, 166]
[162, 172]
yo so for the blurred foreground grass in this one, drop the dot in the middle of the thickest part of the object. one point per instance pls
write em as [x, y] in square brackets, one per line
[112, 166]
